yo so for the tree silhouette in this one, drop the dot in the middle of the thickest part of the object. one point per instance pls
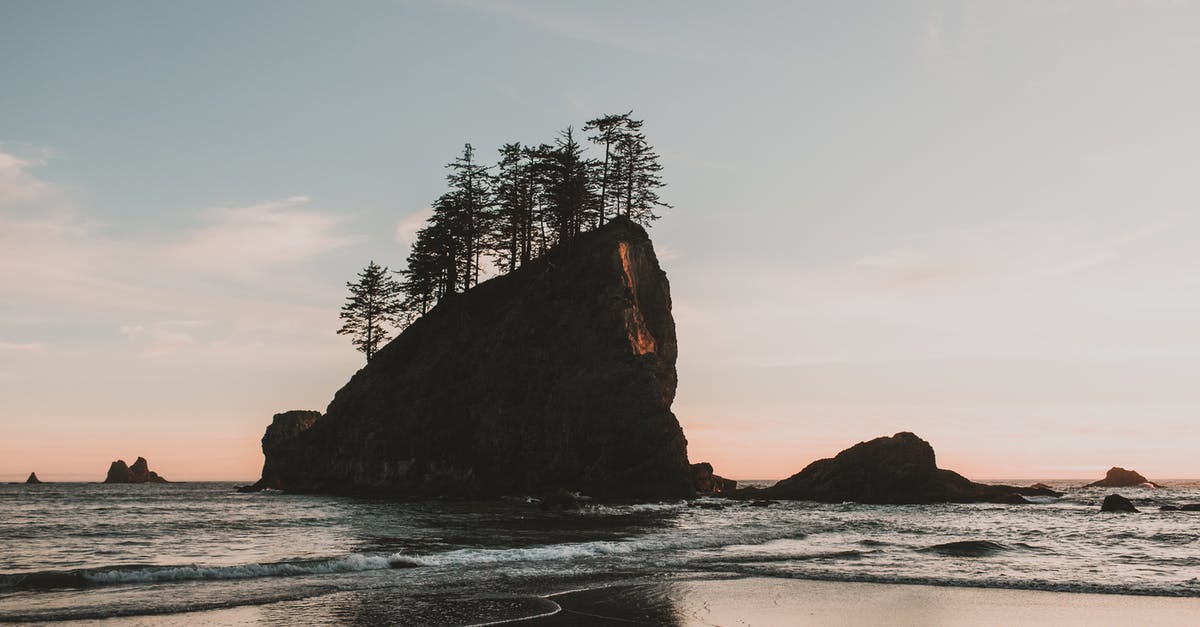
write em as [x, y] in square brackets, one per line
[569, 191]
[371, 308]
[539, 197]
[608, 130]
[636, 175]
[468, 201]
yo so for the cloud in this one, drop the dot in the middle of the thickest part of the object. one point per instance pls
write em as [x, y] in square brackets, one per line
[407, 227]
[157, 340]
[20, 347]
[597, 27]
[240, 238]
[17, 181]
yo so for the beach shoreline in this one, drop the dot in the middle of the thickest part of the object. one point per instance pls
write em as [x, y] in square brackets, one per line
[782, 601]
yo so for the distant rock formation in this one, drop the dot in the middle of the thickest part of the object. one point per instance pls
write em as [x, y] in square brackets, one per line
[139, 472]
[888, 470]
[33, 478]
[1117, 503]
[557, 376]
[1118, 477]
[705, 482]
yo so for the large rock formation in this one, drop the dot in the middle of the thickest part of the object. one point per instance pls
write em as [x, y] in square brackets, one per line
[706, 482]
[558, 376]
[33, 478]
[139, 472]
[1118, 477]
[899, 469]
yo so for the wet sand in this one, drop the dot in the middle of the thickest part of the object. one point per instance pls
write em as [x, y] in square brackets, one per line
[759, 601]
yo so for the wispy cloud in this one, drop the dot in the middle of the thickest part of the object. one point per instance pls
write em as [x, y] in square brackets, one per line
[407, 227]
[597, 27]
[17, 180]
[237, 238]
[157, 340]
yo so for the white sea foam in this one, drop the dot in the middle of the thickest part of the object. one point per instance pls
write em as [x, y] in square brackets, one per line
[350, 563]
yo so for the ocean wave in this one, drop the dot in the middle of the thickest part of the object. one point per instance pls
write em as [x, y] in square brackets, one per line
[599, 548]
[162, 574]
[968, 548]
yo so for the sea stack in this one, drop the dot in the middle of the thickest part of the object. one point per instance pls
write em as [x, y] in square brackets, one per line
[890, 470]
[33, 478]
[557, 376]
[139, 472]
[1118, 477]
[1117, 503]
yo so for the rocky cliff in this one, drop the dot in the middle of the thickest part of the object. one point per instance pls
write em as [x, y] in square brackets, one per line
[558, 376]
[897, 469]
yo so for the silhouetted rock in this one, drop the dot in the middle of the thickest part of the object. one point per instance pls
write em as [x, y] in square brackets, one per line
[1118, 477]
[559, 375]
[139, 472]
[1190, 507]
[1041, 486]
[705, 482]
[899, 469]
[1117, 503]
[33, 478]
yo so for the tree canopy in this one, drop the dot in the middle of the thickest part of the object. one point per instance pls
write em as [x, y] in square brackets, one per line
[495, 218]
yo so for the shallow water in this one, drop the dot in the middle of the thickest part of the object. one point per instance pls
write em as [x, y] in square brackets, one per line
[81, 551]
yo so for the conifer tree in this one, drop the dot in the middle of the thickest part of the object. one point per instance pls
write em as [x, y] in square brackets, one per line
[569, 191]
[371, 308]
[637, 176]
[470, 198]
[608, 130]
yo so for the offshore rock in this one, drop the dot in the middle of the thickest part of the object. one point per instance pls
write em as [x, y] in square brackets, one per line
[1117, 503]
[139, 472]
[895, 470]
[1118, 477]
[705, 482]
[33, 478]
[557, 376]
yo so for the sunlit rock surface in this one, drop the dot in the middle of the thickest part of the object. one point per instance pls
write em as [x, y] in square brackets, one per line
[559, 376]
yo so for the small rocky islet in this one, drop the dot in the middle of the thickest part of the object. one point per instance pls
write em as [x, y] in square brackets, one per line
[139, 472]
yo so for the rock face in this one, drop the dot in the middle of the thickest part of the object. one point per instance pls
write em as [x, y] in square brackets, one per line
[899, 469]
[705, 482]
[139, 472]
[33, 478]
[1117, 503]
[558, 376]
[1118, 477]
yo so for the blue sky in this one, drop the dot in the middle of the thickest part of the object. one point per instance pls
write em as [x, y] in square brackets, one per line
[974, 220]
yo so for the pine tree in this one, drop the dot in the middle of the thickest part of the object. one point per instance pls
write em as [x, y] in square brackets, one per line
[470, 197]
[609, 130]
[636, 173]
[569, 190]
[371, 308]
[512, 211]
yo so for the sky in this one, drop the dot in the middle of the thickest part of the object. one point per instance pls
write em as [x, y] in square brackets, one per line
[971, 220]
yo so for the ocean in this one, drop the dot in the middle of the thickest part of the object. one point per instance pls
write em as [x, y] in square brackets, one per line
[203, 553]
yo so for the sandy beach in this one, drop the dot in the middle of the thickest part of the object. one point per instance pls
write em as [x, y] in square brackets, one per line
[768, 601]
